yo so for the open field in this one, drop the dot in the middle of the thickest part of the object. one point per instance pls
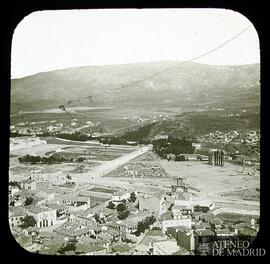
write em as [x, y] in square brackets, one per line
[94, 155]
[219, 184]
[227, 186]
[68, 109]
[119, 167]
[37, 150]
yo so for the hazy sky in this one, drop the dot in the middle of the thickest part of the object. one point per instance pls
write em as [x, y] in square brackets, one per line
[49, 40]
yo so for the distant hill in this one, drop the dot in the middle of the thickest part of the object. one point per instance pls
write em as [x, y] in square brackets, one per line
[194, 124]
[189, 85]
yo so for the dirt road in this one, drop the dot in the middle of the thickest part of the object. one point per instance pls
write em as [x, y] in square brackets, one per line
[106, 167]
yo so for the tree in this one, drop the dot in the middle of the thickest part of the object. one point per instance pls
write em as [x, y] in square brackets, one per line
[132, 197]
[123, 215]
[80, 159]
[44, 160]
[180, 158]
[145, 224]
[29, 200]
[28, 221]
[71, 246]
[121, 207]
[97, 219]
[140, 227]
[149, 220]
[111, 205]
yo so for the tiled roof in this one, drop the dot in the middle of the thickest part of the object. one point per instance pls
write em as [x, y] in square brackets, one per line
[38, 209]
[72, 230]
[16, 211]
[166, 216]
[121, 248]
[205, 232]
[223, 231]
[179, 207]
[88, 248]
[28, 181]
[74, 198]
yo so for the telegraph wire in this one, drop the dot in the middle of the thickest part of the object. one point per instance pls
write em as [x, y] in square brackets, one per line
[168, 69]
[190, 60]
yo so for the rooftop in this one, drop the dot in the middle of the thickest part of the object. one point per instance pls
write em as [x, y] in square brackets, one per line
[205, 232]
[121, 248]
[28, 181]
[166, 216]
[74, 198]
[71, 229]
[88, 248]
[16, 211]
[223, 231]
[39, 209]
[132, 220]
[179, 207]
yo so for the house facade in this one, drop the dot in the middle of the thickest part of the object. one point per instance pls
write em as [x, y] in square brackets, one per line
[44, 216]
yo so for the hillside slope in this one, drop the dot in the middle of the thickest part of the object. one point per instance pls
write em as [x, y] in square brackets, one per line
[188, 85]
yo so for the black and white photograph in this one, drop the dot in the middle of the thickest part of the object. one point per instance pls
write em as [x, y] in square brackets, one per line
[135, 132]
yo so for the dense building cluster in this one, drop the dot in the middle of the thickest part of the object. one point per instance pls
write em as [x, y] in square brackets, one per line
[61, 221]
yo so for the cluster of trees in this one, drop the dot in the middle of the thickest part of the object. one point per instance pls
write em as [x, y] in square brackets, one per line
[113, 140]
[140, 135]
[111, 205]
[15, 184]
[28, 221]
[14, 134]
[70, 246]
[173, 145]
[123, 215]
[52, 159]
[77, 136]
[121, 208]
[145, 224]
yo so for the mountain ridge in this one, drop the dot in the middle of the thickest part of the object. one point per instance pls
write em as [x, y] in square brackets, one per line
[185, 85]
